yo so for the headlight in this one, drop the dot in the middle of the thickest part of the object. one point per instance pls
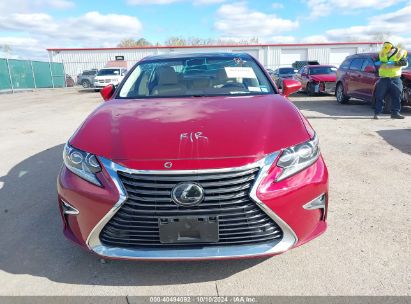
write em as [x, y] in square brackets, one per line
[82, 164]
[299, 157]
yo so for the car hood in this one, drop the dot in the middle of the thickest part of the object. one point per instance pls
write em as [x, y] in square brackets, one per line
[107, 76]
[191, 128]
[324, 77]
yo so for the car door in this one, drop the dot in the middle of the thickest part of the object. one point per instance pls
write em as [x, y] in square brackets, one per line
[354, 77]
[368, 80]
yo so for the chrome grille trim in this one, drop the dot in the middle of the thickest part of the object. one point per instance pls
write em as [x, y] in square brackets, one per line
[187, 253]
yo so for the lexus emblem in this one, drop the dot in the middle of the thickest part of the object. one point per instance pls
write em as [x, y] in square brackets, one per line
[187, 194]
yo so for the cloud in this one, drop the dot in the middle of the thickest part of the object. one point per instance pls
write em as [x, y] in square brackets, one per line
[237, 20]
[30, 6]
[162, 2]
[277, 5]
[315, 39]
[43, 31]
[395, 24]
[281, 39]
[22, 47]
[320, 8]
[205, 2]
[60, 4]
[145, 2]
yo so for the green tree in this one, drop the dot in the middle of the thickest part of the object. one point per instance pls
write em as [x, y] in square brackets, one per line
[175, 41]
[129, 42]
[143, 42]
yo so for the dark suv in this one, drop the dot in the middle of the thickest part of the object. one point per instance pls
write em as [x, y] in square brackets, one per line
[86, 78]
[357, 76]
[301, 63]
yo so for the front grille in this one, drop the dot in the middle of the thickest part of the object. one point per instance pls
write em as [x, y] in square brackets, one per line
[226, 196]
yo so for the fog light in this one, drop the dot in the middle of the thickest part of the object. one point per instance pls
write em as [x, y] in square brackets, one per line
[68, 209]
[317, 203]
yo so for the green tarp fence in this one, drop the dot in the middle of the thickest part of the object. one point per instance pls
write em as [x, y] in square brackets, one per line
[25, 74]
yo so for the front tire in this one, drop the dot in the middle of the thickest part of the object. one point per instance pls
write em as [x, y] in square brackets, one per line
[310, 89]
[340, 94]
[85, 84]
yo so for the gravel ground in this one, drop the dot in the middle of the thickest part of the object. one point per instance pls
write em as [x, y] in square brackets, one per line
[366, 250]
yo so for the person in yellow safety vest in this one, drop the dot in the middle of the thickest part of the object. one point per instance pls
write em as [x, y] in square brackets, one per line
[391, 60]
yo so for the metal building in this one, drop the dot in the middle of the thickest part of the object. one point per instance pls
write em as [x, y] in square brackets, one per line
[271, 55]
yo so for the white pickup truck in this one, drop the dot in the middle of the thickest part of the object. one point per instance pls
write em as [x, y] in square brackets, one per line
[111, 75]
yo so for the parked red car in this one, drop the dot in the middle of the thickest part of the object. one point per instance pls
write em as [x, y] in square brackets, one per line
[194, 156]
[357, 76]
[317, 79]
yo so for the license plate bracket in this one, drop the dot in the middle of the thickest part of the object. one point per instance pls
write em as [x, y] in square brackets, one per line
[188, 229]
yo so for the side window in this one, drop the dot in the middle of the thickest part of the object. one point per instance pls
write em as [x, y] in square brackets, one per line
[356, 64]
[367, 62]
[346, 64]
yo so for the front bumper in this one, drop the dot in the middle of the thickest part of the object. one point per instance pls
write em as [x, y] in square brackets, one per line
[324, 87]
[103, 84]
[282, 201]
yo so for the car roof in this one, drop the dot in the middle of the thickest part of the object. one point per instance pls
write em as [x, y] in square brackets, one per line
[194, 55]
[372, 54]
[369, 54]
[320, 65]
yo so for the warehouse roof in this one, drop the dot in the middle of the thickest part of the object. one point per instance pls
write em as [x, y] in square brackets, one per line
[215, 46]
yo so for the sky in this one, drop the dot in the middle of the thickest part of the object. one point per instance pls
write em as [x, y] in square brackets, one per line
[29, 27]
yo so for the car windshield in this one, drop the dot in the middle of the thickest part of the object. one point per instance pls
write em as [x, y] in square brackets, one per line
[196, 76]
[106, 72]
[323, 70]
[287, 71]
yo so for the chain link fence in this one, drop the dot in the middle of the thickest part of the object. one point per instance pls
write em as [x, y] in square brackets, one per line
[18, 75]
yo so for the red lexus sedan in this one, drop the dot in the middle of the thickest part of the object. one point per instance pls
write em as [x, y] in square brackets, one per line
[194, 156]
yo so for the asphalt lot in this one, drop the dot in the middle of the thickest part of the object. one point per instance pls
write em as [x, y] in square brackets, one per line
[366, 250]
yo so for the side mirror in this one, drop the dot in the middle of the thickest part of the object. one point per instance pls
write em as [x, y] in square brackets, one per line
[107, 92]
[370, 69]
[290, 86]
